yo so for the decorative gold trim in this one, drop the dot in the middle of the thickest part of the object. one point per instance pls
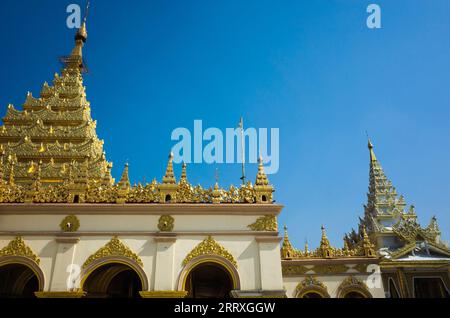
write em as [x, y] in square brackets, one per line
[352, 284]
[265, 223]
[209, 247]
[330, 269]
[292, 270]
[325, 251]
[70, 223]
[166, 223]
[17, 247]
[114, 248]
[60, 294]
[163, 294]
[311, 284]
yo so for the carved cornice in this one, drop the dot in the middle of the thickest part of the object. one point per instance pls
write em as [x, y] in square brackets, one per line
[209, 247]
[113, 248]
[17, 247]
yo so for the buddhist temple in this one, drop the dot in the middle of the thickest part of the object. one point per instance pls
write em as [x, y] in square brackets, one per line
[69, 230]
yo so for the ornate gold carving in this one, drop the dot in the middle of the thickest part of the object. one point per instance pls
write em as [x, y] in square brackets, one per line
[166, 223]
[113, 248]
[294, 270]
[70, 224]
[364, 249]
[209, 247]
[265, 223]
[330, 269]
[311, 284]
[350, 284]
[17, 247]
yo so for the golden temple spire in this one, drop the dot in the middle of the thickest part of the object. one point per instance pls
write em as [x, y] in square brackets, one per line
[368, 247]
[183, 173]
[169, 177]
[262, 187]
[287, 250]
[261, 177]
[76, 56]
[124, 182]
[325, 247]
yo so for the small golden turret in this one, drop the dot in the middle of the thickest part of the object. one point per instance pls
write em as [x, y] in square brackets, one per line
[263, 189]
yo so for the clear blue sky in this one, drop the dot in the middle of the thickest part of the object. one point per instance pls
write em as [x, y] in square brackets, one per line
[311, 68]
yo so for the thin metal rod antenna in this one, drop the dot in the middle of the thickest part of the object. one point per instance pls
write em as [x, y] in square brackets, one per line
[86, 13]
[241, 126]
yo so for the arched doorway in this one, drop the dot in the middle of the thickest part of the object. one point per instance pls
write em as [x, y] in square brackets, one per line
[113, 280]
[209, 280]
[18, 281]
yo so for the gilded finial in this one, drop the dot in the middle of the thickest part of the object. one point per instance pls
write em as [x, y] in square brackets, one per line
[183, 172]
[169, 177]
[287, 250]
[124, 182]
[261, 177]
[325, 247]
[372, 153]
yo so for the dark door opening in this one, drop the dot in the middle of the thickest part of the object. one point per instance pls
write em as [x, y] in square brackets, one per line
[209, 280]
[18, 281]
[113, 281]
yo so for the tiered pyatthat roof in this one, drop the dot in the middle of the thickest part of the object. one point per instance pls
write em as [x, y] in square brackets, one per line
[50, 153]
[364, 249]
[390, 225]
[382, 198]
[54, 135]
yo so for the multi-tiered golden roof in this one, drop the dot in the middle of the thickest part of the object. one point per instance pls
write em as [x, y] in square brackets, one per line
[54, 135]
[50, 153]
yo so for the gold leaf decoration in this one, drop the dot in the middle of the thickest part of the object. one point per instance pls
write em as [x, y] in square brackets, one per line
[17, 247]
[330, 269]
[209, 247]
[114, 248]
[292, 270]
[70, 224]
[166, 223]
[311, 284]
[265, 223]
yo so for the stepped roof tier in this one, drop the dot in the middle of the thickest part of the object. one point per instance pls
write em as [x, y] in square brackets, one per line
[54, 135]
[50, 153]
[393, 227]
